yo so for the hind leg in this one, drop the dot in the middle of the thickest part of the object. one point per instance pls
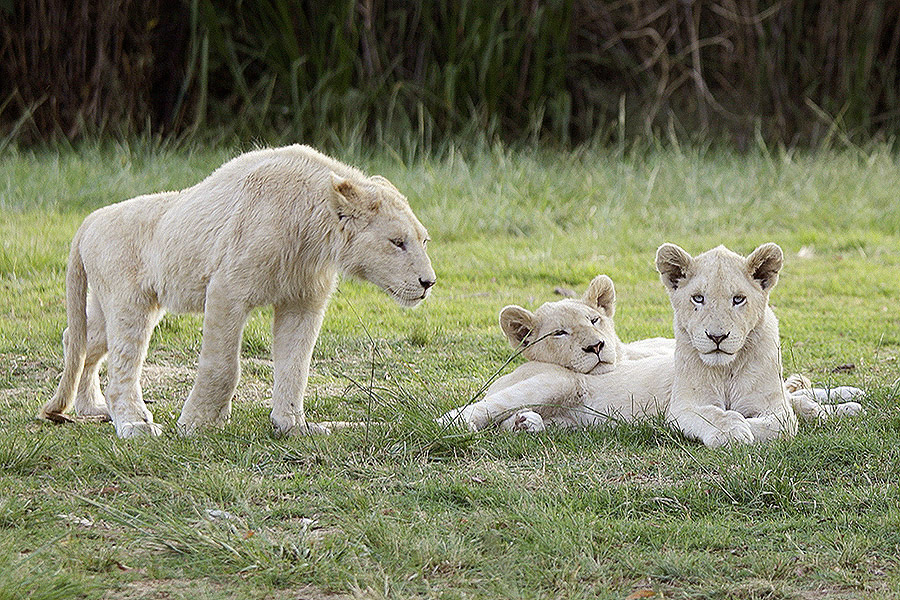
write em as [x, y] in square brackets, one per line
[816, 404]
[128, 329]
[89, 401]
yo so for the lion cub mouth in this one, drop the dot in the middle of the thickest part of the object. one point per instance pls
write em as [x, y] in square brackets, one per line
[601, 367]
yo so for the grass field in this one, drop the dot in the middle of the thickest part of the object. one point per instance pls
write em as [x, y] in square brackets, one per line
[410, 511]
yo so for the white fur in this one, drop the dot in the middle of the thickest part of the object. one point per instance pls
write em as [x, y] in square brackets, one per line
[737, 397]
[270, 227]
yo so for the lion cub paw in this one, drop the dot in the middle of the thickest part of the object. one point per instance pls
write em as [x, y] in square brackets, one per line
[525, 420]
[846, 409]
[733, 429]
[127, 429]
[92, 411]
[473, 417]
[292, 426]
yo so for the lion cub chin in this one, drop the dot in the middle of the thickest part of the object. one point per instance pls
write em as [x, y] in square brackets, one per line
[270, 227]
[719, 381]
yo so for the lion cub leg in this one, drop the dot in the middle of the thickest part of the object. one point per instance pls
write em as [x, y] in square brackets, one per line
[294, 331]
[818, 404]
[128, 329]
[219, 367]
[89, 401]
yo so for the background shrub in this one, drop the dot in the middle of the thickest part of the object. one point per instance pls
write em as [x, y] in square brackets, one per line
[792, 72]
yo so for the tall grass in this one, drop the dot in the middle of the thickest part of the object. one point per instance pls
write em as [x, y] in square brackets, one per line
[794, 72]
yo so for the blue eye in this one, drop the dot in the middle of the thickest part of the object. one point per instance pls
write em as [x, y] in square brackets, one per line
[738, 300]
[698, 299]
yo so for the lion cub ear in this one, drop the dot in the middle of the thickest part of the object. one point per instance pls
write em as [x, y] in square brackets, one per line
[601, 294]
[672, 263]
[764, 263]
[516, 322]
[349, 201]
[384, 181]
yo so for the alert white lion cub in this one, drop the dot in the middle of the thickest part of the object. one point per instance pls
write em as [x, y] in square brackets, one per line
[270, 227]
[720, 385]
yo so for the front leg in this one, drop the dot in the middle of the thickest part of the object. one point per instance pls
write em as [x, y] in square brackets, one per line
[219, 368]
[543, 389]
[294, 330]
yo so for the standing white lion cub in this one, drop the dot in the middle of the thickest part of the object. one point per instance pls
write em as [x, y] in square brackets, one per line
[270, 227]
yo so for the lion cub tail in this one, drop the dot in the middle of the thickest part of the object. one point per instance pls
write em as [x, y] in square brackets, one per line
[74, 337]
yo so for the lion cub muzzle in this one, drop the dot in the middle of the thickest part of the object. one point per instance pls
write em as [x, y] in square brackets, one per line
[426, 284]
[595, 348]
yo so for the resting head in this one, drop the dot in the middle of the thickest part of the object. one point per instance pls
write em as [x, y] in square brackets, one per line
[578, 335]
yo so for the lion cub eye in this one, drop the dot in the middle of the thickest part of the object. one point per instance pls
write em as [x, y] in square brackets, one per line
[594, 320]
[697, 299]
[560, 333]
[738, 300]
[399, 243]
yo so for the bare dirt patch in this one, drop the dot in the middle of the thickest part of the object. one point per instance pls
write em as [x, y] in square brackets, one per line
[172, 589]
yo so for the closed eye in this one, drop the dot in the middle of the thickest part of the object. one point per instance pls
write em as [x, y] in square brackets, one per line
[594, 320]
[560, 333]
[399, 243]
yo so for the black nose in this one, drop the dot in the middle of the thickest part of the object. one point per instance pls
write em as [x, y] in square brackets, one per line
[718, 339]
[595, 349]
[426, 283]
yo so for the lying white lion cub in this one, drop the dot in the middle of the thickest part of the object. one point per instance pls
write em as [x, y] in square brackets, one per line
[718, 393]
[275, 227]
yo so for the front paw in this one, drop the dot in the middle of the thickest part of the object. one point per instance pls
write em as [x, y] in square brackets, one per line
[129, 429]
[292, 424]
[528, 421]
[469, 417]
[732, 429]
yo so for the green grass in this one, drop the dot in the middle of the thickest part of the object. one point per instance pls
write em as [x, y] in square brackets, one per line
[410, 511]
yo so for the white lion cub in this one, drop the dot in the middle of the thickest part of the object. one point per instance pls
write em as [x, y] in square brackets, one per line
[717, 400]
[567, 342]
[727, 381]
[270, 227]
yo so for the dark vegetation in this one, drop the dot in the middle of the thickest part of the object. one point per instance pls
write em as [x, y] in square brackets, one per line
[794, 72]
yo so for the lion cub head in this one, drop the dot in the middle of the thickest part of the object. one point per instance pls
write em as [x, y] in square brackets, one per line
[384, 242]
[576, 334]
[719, 298]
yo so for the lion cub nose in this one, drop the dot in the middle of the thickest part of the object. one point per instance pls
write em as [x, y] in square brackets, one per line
[426, 283]
[595, 349]
[718, 339]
